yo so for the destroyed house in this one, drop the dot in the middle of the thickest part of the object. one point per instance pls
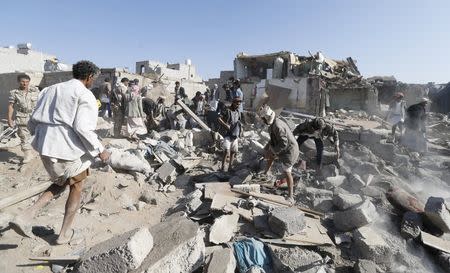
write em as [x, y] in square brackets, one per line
[286, 80]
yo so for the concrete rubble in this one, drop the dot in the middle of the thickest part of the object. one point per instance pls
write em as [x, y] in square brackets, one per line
[363, 212]
[122, 253]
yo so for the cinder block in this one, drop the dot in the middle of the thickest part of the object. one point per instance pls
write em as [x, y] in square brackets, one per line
[437, 213]
[119, 254]
[356, 217]
[285, 221]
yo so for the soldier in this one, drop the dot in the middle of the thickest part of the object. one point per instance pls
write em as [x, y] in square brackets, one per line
[23, 101]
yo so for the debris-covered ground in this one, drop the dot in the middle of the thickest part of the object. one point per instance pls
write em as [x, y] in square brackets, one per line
[163, 205]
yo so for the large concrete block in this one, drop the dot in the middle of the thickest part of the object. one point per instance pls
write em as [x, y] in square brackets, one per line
[121, 253]
[365, 266]
[330, 170]
[334, 181]
[436, 211]
[292, 259]
[178, 247]
[411, 225]
[222, 261]
[223, 228]
[356, 217]
[285, 221]
[368, 244]
[345, 201]
[167, 172]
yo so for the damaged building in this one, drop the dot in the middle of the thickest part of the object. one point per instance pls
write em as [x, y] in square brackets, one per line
[287, 80]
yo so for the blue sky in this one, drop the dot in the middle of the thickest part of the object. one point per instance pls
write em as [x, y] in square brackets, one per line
[407, 39]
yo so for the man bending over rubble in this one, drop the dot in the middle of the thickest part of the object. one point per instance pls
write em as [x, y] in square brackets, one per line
[282, 145]
[318, 130]
[63, 124]
[231, 120]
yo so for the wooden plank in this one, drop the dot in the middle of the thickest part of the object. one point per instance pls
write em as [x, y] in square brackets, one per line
[193, 115]
[24, 194]
[435, 242]
[275, 199]
[68, 259]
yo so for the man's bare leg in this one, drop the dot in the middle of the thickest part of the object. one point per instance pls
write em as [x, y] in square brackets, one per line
[224, 160]
[72, 205]
[21, 224]
[290, 182]
[230, 166]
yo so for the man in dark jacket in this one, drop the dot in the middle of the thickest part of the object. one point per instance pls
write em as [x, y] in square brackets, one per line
[319, 130]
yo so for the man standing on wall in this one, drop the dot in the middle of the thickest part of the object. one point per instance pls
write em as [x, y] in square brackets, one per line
[23, 101]
[63, 124]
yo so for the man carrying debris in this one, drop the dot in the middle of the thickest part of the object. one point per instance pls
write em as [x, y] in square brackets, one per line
[23, 101]
[319, 130]
[415, 123]
[63, 124]
[396, 114]
[282, 145]
[230, 119]
[118, 105]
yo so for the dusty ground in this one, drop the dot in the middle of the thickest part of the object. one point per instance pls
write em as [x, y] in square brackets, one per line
[98, 221]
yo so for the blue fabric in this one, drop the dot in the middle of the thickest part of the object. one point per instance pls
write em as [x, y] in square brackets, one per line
[250, 252]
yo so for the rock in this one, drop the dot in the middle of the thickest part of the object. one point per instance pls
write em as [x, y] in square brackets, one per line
[437, 212]
[182, 181]
[179, 247]
[126, 201]
[345, 201]
[222, 261]
[121, 253]
[334, 181]
[167, 172]
[365, 266]
[285, 221]
[120, 143]
[313, 193]
[292, 259]
[372, 191]
[223, 228]
[323, 204]
[193, 201]
[367, 168]
[330, 170]
[147, 197]
[356, 217]
[369, 245]
[140, 205]
[354, 182]
[411, 225]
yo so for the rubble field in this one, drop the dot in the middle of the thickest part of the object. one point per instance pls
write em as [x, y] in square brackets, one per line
[163, 205]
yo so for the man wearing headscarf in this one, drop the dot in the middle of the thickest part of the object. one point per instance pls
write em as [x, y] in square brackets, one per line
[282, 145]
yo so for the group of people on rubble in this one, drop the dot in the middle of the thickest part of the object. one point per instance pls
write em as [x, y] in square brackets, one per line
[63, 120]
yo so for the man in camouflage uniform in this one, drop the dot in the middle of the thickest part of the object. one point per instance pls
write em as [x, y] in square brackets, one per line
[23, 101]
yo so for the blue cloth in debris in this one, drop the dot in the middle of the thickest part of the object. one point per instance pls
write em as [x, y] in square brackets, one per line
[250, 252]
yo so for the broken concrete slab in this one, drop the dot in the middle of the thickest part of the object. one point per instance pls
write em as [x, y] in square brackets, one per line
[179, 247]
[436, 211]
[222, 261]
[286, 221]
[323, 204]
[292, 259]
[345, 201]
[120, 143]
[365, 266]
[330, 170]
[370, 245]
[334, 181]
[356, 217]
[167, 172]
[354, 182]
[411, 225]
[212, 188]
[182, 181]
[223, 228]
[313, 193]
[119, 254]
